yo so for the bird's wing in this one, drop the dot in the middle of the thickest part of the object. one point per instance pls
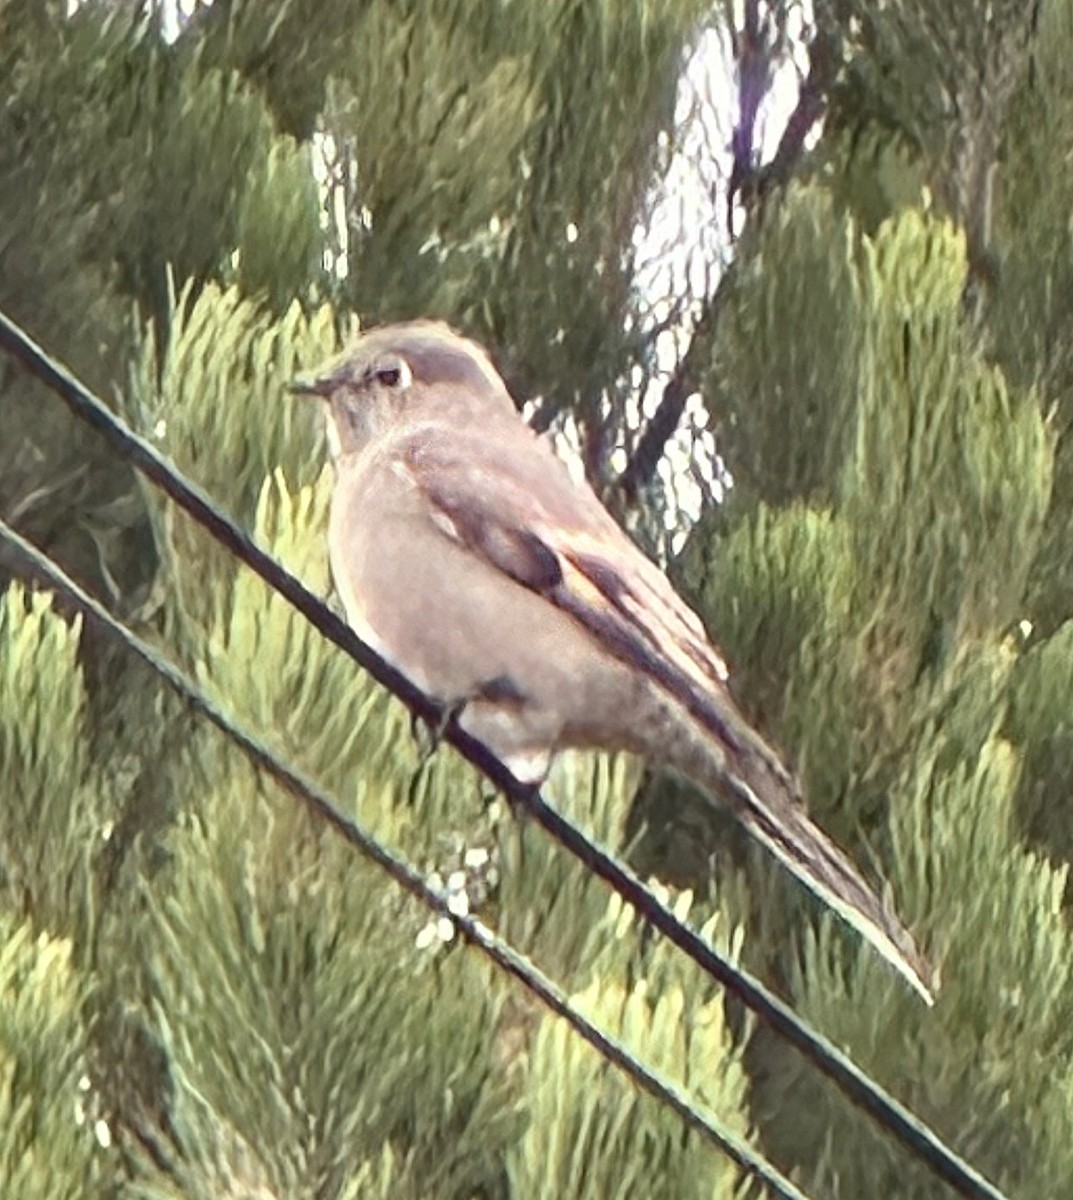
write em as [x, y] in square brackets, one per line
[521, 512]
[525, 516]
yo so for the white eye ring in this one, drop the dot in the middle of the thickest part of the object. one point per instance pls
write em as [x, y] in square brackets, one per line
[396, 374]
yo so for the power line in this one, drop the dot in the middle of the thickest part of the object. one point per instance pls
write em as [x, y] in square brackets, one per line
[500, 952]
[920, 1139]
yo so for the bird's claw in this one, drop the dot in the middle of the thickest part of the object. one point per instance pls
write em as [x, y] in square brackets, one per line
[429, 734]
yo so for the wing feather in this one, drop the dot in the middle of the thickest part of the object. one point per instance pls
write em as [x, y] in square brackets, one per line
[553, 536]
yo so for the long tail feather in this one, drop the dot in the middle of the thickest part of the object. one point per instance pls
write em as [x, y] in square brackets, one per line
[764, 798]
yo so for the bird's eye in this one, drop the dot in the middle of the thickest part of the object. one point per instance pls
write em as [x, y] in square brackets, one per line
[393, 373]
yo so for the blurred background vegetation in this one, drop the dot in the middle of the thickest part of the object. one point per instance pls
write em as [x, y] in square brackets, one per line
[792, 284]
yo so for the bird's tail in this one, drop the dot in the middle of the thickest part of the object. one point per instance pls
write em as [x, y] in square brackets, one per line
[764, 797]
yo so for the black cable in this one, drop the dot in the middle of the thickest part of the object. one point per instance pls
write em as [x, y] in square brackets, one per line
[501, 953]
[922, 1141]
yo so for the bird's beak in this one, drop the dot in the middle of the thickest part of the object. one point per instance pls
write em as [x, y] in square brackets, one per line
[310, 385]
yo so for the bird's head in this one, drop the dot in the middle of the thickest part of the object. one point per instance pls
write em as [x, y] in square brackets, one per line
[420, 370]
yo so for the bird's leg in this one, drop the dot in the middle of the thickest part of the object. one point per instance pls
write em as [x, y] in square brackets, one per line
[499, 690]
[429, 734]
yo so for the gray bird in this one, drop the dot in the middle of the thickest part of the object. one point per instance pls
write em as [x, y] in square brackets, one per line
[467, 556]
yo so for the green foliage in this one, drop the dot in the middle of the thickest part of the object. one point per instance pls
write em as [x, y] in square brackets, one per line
[311, 997]
[951, 472]
[1039, 721]
[889, 593]
[586, 1122]
[50, 278]
[481, 132]
[49, 813]
[957, 848]
[443, 111]
[800, 270]
[150, 165]
[214, 396]
[1033, 304]
[278, 239]
[937, 472]
[144, 138]
[48, 1147]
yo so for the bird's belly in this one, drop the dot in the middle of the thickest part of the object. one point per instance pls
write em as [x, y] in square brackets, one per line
[450, 623]
[533, 679]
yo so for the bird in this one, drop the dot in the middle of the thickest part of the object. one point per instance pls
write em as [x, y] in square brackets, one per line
[466, 554]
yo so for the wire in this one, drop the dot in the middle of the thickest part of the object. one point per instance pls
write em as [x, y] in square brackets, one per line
[922, 1141]
[501, 953]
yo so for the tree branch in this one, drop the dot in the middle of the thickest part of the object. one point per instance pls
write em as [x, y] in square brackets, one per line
[754, 75]
[683, 382]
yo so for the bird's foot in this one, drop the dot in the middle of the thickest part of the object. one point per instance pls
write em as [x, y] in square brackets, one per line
[429, 734]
